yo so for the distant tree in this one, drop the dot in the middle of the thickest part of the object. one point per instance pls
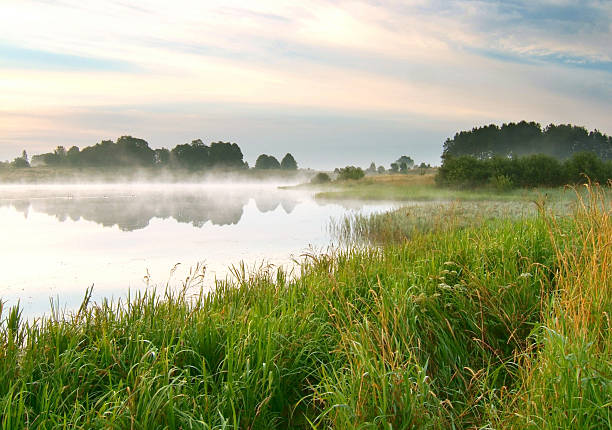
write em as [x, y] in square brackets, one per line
[394, 167]
[372, 169]
[127, 151]
[527, 138]
[162, 156]
[60, 152]
[21, 162]
[226, 154]
[423, 167]
[351, 172]
[194, 155]
[403, 167]
[288, 162]
[381, 170]
[72, 156]
[267, 162]
[406, 160]
[320, 178]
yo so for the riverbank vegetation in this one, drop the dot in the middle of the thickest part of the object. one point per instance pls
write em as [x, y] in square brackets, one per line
[503, 173]
[500, 324]
[423, 187]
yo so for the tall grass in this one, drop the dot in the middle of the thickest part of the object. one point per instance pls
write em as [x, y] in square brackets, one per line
[503, 324]
[566, 377]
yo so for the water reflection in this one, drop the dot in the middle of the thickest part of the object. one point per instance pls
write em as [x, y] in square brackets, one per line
[134, 210]
[56, 242]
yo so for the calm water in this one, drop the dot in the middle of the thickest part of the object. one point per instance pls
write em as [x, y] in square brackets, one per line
[58, 240]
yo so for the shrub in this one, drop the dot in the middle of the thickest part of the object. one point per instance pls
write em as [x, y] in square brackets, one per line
[320, 178]
[350, 172]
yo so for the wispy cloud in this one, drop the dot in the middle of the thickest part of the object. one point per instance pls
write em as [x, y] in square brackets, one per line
[16, 57]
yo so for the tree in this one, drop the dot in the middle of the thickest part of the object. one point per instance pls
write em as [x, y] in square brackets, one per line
[72, 156]
[350, 172]
[372, 168]
[381, 170]
[394, 167]
[194, 155]
[320, 178]
[527, 138]
[226, 154]
[267, 162]
[288, 162]
[21, 162]
[162, 156]
[406, 160]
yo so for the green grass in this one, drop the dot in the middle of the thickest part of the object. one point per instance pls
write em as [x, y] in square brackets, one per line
[499, 324]
[414, 187]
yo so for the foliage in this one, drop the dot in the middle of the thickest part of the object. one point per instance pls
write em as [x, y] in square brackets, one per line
[407, 161]
[288, 162]
[129, 151]
[226, 154]
[320, 178]
[350, 172]
[526, 138]
[529, 171]
[21, 162]
[267, 162]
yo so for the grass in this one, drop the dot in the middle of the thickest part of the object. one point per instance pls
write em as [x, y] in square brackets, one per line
[416, 187]
[504, 323]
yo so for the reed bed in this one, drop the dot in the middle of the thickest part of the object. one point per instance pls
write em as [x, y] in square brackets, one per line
[501, 324]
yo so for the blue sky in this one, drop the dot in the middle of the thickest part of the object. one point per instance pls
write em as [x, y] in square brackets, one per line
[356, 81]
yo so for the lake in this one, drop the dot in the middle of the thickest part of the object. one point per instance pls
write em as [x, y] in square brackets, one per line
[57, 240]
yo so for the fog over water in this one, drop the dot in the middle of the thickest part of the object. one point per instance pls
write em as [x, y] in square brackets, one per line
[60, 239]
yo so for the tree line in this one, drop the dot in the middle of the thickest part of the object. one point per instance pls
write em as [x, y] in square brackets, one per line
[525, 155]
[130, 151]
[527, 138]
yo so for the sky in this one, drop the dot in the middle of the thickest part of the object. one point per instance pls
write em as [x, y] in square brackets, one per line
[332, 82]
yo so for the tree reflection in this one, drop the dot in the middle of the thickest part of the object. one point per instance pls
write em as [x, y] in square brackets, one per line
[134, 211]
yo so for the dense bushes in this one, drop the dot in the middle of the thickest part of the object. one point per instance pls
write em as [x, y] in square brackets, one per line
[531, 171]
[320, 178]
[350, 172]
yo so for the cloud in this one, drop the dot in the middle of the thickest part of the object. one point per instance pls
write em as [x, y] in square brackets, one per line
[16, 57]
[460, 63]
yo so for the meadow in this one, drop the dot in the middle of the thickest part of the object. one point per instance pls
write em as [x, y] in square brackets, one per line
[415, 186]
[451, 316]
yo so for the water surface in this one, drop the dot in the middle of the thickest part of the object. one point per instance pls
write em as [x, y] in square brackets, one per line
[58, 240]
